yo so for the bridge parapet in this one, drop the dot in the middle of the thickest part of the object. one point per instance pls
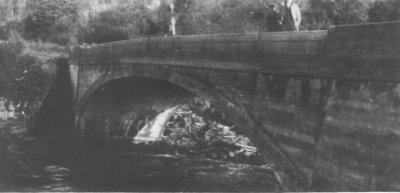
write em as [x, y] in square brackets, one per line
[365, 52]
[286, 52]
[369, 52]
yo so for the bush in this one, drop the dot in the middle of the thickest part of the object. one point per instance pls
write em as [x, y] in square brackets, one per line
[108, 26]
[119, 23]
[27, 82]
[323, 13]
[348, 12]
[11, 27]
[41, 23]
[384, 11]
[315, 19]
[9, 52]
[101, 33]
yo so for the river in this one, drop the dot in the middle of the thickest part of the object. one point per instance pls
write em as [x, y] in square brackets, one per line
[30, 164]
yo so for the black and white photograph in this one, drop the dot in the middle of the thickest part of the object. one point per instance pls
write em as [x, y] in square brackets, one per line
[199, 95]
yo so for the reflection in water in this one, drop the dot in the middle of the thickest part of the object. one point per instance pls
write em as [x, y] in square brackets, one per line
[56, 179]
[140, 172]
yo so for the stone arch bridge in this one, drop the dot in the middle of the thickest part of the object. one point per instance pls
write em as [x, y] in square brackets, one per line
[299, 96]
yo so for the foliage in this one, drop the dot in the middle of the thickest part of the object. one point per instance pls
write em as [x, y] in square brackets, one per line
[27, 82]
[44, 21]
[173, 10]
[9, 52]
[224, 16]
[107, 26]
[388, 10]
[348, 12]
[316, 17]
[120, 23]
[28, 89]
[98, 21]
[323, 13]
[11, 27]
[12, 10]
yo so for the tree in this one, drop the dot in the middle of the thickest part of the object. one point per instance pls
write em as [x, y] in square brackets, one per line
[224, 16]
[315, 17]
[388, 10]
[175, 9]
[122, 22]
[27, 83]
[45, 14]
[107, 26]
[12, 10]
[323, 13]
[349, 11]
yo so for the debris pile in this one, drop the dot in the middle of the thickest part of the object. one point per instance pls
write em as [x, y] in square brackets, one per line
[190, 134]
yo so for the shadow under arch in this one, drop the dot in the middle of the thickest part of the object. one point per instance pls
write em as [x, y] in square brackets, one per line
[235, 113]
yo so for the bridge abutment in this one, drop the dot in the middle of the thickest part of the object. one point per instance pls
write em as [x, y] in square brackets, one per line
[339, 138]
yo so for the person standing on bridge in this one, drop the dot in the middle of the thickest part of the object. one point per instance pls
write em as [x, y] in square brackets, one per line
[291, 16]
[290, 20]
[274, 20]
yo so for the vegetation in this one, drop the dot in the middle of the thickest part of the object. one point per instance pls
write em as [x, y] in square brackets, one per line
[69, 22]
[384, 11]
[323, 13]
[28, 69]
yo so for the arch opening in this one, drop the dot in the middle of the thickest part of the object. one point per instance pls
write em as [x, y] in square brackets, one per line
[117, 107]
[219, 95]
[121, 114]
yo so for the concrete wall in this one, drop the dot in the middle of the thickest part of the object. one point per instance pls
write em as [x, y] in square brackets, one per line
[366, 52]
[316, 100]
[349, 142]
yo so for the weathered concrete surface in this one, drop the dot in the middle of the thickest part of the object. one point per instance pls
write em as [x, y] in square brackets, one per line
[289, 92]
[366, 52]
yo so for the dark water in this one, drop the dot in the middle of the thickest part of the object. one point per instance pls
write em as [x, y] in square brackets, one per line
[88, 170]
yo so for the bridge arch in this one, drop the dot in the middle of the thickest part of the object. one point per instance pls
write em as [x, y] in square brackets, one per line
[186, 82]
[217, 98]
[220, 97]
